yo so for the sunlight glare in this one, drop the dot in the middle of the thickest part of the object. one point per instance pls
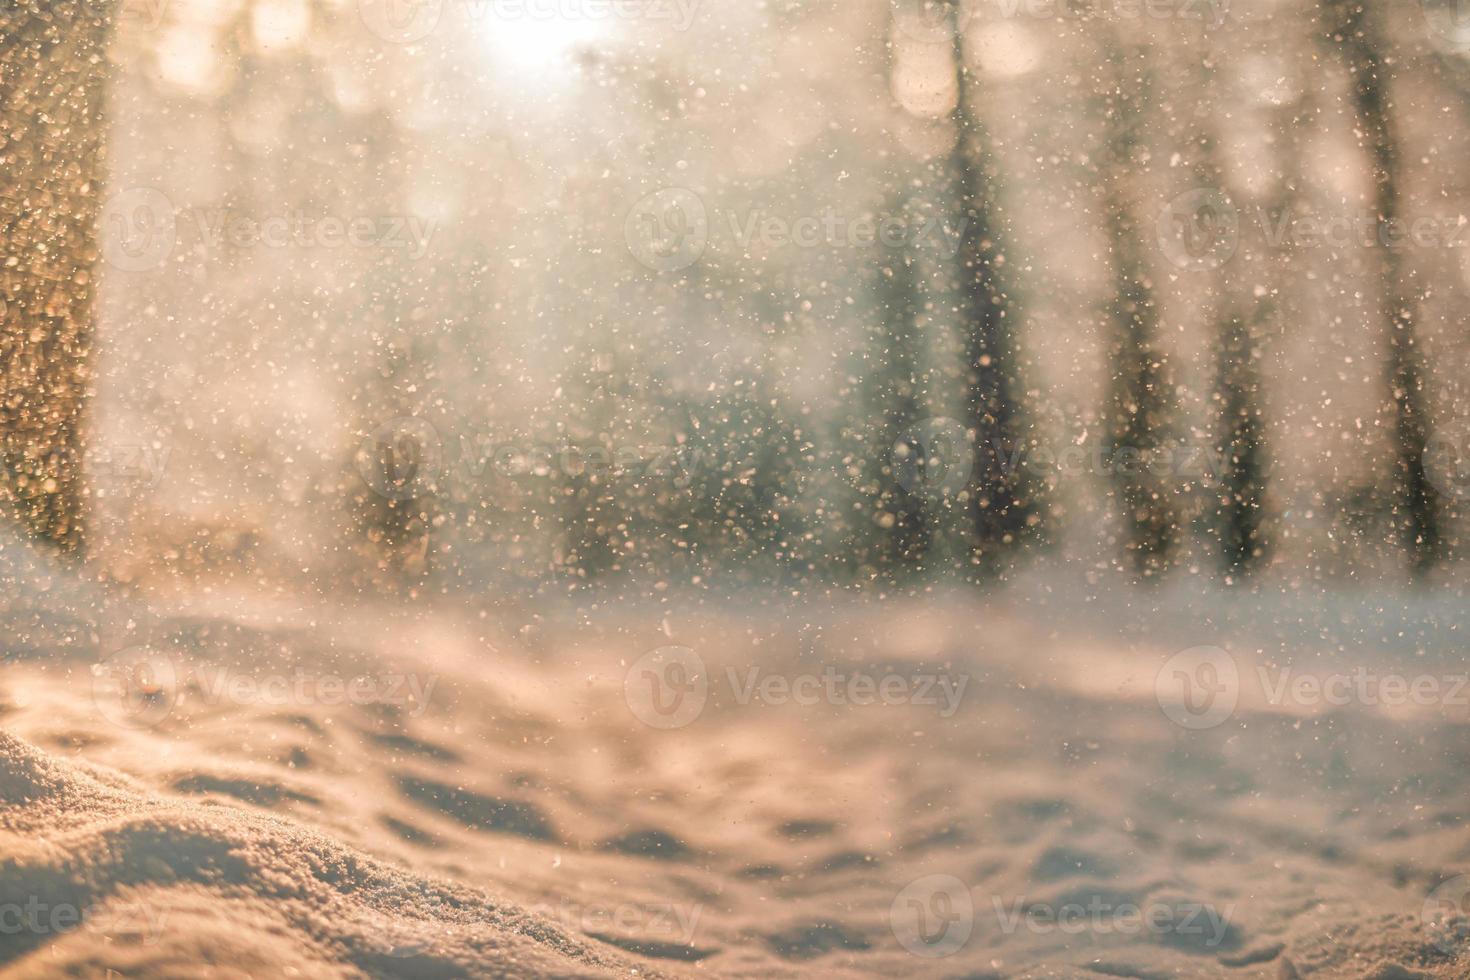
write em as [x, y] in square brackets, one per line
[538, 40]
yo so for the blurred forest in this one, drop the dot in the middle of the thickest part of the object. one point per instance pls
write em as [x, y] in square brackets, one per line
[447, 297]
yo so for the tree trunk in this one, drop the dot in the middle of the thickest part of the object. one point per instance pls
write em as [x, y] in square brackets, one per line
[1139, 404]
[51, 93]
[1003, 510]
[893, 402]
[1351, 33]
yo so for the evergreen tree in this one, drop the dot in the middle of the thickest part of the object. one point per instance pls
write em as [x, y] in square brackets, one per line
[892, 529]
[1139, 405]
[1001, 502]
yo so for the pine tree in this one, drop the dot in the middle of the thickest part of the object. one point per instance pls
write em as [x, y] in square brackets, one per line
[893, 530]
[1001, 502]
[1139, 405]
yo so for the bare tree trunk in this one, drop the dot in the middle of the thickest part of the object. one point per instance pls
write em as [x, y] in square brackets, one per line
[1241, 439]
[51, 102]
[1240, 426]
[1139, 402]
[1002, 508]
[1352, 34]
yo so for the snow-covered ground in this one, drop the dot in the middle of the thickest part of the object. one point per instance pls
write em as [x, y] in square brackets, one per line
[1021, 785]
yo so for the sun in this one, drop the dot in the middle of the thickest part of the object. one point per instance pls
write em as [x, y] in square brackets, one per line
[537, 39]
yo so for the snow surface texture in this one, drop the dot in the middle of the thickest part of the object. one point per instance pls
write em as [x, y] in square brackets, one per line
[522, 821]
